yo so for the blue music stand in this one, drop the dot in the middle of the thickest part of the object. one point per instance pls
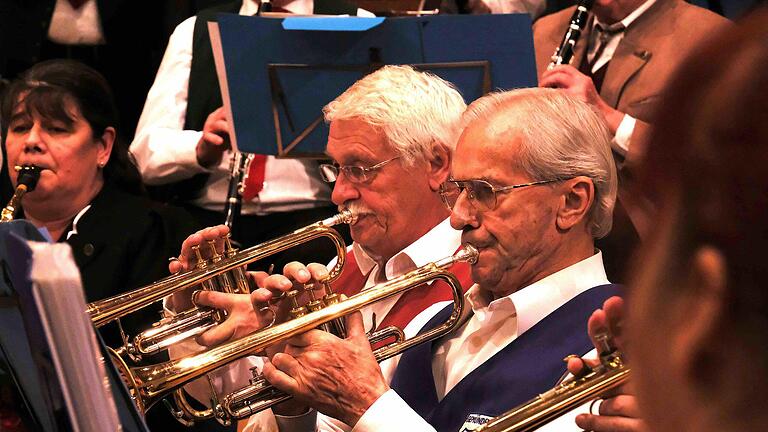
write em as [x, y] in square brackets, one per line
[279, 73]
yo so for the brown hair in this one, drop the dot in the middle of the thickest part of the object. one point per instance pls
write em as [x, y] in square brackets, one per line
[47, 87]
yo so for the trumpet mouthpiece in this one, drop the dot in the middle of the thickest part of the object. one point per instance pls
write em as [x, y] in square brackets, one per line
[346, 216]
[468, 253]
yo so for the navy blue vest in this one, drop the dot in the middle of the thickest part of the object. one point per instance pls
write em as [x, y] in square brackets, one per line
[530, 365]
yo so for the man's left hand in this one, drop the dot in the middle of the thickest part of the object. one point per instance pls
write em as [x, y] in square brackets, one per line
[580, 86]
[618, 411]
[338, 377]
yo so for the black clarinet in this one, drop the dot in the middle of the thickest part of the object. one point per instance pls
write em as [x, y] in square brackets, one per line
[238, 170]
[564, 52]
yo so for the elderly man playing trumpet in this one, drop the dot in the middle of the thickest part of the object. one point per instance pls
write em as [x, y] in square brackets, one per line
[532, 185]
[391, 138]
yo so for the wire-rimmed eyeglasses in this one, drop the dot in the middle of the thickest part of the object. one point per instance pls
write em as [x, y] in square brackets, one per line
[353, 173]
[481, 194]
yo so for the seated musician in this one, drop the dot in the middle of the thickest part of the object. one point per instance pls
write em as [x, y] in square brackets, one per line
[697, 320]
[60, 116]
[532, 185]
[392, 149]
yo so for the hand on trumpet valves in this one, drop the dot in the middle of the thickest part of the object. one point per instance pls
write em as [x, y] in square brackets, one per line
[187, 259]
[338, 377]
[618, 410]
[306, 279]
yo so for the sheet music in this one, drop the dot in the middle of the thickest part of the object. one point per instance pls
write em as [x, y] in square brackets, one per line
[59, 297]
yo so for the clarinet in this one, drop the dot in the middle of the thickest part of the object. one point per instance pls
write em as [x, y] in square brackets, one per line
[564, 52]
[238, 170]
[26, 182]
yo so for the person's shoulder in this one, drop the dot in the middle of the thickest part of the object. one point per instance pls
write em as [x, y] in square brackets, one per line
[555, 20]
[703, 18]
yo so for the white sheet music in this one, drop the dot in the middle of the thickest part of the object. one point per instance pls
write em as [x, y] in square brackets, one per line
[58, 293]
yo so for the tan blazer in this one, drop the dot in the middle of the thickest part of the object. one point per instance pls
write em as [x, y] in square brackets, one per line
[652, 47]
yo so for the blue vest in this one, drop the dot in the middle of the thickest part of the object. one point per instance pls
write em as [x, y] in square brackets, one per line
[530, 365]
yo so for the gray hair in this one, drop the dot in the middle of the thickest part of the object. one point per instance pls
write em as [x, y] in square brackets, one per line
[563, 138]
[416, 111]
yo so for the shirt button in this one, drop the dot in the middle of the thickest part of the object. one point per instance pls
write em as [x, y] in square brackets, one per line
[88, 249]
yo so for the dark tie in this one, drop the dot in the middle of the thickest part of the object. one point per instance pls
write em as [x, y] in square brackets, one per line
[605, 35]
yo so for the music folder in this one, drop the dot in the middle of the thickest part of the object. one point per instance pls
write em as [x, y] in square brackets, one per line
[277, 74]
[60, 366]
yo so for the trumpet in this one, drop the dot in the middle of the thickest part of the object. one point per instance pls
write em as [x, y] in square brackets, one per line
[26, 182]
[223, 272]
[569, 394]
[149, 384]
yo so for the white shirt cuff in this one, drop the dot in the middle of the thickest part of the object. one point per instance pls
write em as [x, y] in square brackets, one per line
[390, 413]
[624, 134]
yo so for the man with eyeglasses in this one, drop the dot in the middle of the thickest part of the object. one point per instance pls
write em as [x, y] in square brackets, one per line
[391, 146]
[532, 185]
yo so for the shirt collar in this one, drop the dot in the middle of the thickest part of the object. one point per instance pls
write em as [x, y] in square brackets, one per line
[300, 7]
[632, 17]
[534, 302]
[439, 242]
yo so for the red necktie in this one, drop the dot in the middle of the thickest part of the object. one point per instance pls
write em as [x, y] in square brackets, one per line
[254, 182]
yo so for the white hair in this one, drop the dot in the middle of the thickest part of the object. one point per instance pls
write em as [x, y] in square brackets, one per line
[416, 111]
[562, 138]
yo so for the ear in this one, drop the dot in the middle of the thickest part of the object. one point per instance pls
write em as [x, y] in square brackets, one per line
[696, 355]
[105, 142]
[439, 166]
[578, 194]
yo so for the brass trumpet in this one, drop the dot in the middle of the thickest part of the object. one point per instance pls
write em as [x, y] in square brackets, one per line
[569, 394]
[223, 272]
[149, 384]
[26, 182]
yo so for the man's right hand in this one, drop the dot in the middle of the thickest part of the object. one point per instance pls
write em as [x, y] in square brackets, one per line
[215, 139]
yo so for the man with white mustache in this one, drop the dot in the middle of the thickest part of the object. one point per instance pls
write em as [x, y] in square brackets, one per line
[391, 138]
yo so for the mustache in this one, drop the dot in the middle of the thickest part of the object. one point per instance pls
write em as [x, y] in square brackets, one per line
[356, 207]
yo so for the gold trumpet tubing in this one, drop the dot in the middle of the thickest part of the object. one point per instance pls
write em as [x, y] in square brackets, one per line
[185, 325]
[258, 397]
[151, 383]
[110, 309]
[564, 397]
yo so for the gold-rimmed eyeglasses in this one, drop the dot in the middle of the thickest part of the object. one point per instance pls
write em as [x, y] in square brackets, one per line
[481, 194]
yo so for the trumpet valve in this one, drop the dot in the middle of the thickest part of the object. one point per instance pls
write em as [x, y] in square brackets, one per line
[296, 311]
[229, 250]
[201, 263]
[215, 256]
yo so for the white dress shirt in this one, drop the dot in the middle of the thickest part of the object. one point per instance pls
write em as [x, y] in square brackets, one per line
[166, 153]
[81, 26]
[489, 327]
[627, 125]
[438, 243]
